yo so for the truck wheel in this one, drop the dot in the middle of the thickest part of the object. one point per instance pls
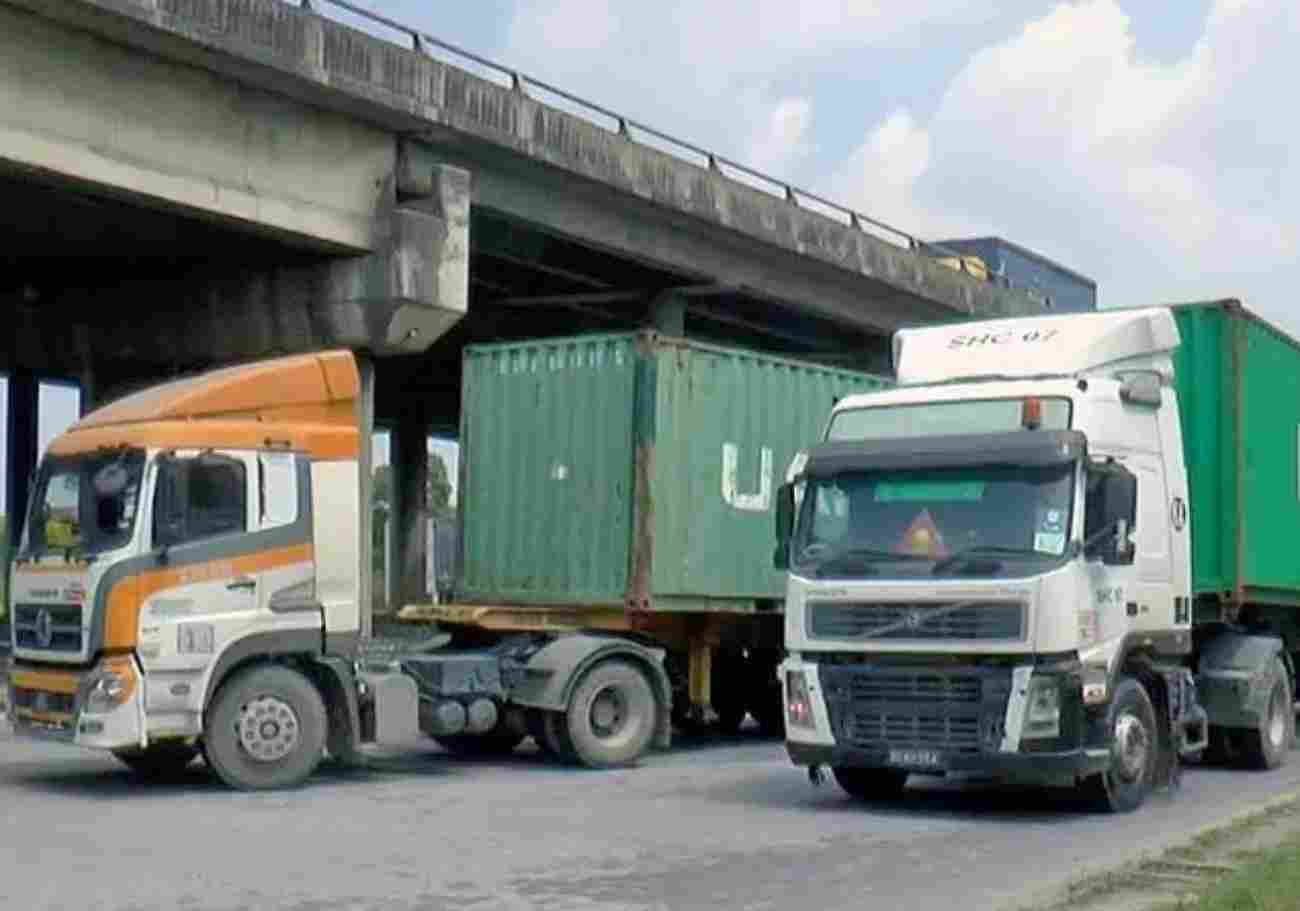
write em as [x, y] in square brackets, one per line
[159, 760]
[611, 716]
[266, 729]
[1266, 746]
[870, 784]
[1134, 748]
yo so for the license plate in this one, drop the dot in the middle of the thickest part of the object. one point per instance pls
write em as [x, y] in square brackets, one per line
[915, 759]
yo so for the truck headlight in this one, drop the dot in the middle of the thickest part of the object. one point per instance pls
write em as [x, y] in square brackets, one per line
[798, 705]
[1042, 708]
[109, 686]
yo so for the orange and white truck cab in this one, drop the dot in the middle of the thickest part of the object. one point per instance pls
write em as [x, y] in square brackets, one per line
[190, 579]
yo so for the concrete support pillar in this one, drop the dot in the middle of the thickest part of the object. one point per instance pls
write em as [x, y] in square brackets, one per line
[410, 450]
[668, 313]
[22, 440]
[86, 368]
[397, 300]
[366, 427]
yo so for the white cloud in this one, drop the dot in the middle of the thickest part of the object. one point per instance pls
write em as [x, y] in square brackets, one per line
[1164, 181]
[719, 74]
[782, 139]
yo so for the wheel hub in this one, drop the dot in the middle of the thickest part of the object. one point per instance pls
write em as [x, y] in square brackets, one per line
[607, 713]
[1133, 744]
[267, 729]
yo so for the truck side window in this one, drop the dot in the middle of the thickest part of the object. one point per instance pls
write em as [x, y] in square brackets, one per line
[277, 478]
[200, 498]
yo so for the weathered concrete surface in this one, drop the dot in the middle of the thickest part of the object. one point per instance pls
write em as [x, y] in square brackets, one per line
[506, 136]
[397, 300]
[78, 108]
[724, 827]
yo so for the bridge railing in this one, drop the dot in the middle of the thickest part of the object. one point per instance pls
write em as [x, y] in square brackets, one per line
[636, 131]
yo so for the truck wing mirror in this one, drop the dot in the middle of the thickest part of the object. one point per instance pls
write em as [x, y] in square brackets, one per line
[784, 525]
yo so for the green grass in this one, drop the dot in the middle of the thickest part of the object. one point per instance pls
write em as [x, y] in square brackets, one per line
[1270, 883]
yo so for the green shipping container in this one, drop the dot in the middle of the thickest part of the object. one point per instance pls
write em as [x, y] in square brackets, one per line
[631, 469]
[1238, 381]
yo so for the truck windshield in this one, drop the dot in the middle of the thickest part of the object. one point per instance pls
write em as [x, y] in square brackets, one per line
[993, 521]
[83, 504]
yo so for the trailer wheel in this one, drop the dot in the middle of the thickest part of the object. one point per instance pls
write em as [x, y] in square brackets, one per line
[266, 729]
[611, 716]
[1134, 747]
[159, 760]
[1266, 746]
[870, 784]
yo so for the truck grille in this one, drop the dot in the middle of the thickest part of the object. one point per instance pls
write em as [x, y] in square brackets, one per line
[880, 708]
[982, 621]
[48, 627]
[872, 729]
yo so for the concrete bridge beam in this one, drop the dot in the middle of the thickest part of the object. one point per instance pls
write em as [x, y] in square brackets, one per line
[397, 300]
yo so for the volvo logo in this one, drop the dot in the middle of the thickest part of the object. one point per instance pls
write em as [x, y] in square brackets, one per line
[44, 628]
[913, 619]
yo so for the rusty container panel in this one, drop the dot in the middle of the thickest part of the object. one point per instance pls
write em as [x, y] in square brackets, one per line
[546, 489]
[608, 468]
[727, 423]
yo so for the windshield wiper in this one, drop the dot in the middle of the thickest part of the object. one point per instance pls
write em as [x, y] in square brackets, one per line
[983, 550]
[863, 556]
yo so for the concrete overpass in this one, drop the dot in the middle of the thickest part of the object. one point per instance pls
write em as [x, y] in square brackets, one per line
[200, 181]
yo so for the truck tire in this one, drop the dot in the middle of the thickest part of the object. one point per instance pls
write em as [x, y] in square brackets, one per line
[611, 716]
[868, 784]
[266, 729]
[159, 760]
[1266, 746]
[1134, 746]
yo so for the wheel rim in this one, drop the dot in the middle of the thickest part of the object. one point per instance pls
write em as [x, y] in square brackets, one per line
[608, 712]
[1133, 744]
[267, 728]
[1276, 716]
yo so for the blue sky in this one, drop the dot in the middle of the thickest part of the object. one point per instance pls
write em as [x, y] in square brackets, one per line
[1149, 145]
[1145, 143]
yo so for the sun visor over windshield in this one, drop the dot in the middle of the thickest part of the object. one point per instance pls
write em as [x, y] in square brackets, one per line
[1023, 448]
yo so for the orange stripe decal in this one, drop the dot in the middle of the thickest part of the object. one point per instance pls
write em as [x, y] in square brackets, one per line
[47, 681]
[127, 597]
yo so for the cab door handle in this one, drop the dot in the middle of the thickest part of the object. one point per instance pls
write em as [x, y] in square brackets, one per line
[244, 583]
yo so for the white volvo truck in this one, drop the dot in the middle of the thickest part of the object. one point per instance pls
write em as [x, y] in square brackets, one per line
[1025, 561]
[191, 578]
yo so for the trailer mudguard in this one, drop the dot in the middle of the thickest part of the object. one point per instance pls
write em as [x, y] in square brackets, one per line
[545, 678]
[1232, 677]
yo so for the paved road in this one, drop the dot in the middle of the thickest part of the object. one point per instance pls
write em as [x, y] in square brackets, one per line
[730, 826]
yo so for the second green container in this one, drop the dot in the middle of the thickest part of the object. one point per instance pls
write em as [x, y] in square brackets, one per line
[631, 469]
